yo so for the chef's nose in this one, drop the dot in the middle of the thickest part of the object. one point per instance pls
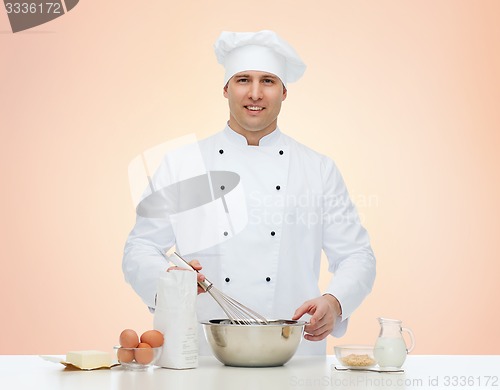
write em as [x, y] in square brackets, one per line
[255, 91]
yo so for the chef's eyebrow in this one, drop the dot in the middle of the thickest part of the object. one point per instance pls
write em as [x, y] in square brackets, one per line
[263, 76]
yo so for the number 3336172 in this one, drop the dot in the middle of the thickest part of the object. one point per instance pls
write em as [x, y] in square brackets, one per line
[33, 8]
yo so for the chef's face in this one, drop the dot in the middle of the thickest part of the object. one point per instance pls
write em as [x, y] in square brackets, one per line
[254, 102]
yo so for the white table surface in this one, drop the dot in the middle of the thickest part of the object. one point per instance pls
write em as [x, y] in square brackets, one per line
[19, 372]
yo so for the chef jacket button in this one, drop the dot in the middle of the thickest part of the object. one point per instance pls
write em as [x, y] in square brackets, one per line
[281, 152]
[221, 151]
[268, 279]
[273, 233]
[227, 280]
[222, 188]
[225, 233]
[278, 188]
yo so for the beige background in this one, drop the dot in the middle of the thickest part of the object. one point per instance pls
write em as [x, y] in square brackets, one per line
[404, 95]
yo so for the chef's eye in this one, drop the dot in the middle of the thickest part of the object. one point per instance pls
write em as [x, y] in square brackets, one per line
[268, 81]
[242, 80]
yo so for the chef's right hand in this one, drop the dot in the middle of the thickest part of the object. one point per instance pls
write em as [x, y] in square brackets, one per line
[197, 266]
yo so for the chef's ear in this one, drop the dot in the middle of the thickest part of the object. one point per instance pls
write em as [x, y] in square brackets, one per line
[285, 93]
[225, 90]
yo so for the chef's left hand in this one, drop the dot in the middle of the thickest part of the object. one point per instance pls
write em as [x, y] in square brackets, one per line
[324, 310]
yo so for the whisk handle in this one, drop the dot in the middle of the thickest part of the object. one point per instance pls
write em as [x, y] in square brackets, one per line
[206, 284]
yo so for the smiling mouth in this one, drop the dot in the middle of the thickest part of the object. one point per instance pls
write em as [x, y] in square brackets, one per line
[254, 108]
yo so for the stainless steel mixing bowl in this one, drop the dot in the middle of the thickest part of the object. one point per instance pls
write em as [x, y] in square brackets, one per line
[254, 345]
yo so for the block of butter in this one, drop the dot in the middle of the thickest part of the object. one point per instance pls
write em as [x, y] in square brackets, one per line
[89, 360]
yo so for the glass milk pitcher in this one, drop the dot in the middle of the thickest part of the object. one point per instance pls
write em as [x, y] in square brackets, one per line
[390, 348]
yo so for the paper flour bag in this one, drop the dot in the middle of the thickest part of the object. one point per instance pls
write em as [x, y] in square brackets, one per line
[175, 317]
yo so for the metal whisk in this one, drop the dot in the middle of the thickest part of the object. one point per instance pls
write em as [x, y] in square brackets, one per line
[237, 313]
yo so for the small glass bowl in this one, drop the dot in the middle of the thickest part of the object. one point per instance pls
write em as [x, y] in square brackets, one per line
[355, 356]
[137, 359]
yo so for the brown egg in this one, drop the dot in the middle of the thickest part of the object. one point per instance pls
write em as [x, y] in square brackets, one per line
[125, 355]
[129, 339]
[153, 338]
[144, 354]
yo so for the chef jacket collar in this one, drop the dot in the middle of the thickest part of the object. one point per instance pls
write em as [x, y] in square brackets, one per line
[268, 140]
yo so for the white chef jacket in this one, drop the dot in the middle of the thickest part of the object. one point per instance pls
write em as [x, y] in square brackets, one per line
[297, 205]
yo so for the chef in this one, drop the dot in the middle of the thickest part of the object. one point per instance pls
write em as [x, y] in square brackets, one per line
[295, 205]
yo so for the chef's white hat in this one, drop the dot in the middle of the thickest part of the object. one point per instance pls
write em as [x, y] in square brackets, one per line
[262, 51]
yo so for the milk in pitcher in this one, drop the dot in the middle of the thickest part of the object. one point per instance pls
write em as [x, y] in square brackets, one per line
[390, 352]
